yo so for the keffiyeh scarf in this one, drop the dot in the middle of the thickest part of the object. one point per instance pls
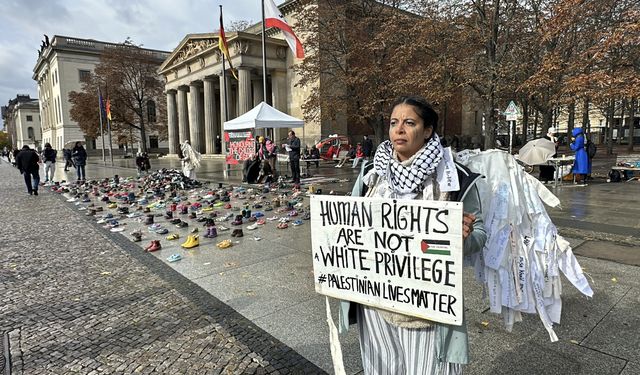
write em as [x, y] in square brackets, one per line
[408, 179]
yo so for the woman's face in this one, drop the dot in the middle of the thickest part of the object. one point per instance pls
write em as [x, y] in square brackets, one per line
[407, 131]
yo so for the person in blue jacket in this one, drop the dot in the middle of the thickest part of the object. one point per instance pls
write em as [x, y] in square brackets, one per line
[581, 167]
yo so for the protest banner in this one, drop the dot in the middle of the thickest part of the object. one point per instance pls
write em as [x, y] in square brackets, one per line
[241, 146]
[399, 255]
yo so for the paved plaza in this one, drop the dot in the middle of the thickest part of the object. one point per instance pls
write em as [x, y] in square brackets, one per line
[79, 299]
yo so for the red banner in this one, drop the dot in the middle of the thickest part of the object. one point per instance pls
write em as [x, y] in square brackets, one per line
[242, 146]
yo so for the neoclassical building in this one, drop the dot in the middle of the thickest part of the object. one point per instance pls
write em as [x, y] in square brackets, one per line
[62, 64]
[195, 85]
[22, 121]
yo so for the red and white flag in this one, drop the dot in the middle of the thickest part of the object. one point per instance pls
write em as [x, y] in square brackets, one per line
[273, 18]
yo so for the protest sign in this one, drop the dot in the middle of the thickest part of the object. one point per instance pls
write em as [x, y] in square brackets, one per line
[400, 255]
[241, 146]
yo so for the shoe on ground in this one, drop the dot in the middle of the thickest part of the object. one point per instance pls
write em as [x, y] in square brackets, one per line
[174, 258]
[253, 226]
[222, 228]
[173, 236]
[191, 242]
[283, 226]
[297, 222]
[224, 244]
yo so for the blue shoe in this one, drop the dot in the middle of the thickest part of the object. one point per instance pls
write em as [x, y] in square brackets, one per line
[162, 231]
[174, 258]
[297, 222]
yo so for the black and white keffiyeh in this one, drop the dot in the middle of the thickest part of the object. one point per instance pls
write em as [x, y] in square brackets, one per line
[408, 179]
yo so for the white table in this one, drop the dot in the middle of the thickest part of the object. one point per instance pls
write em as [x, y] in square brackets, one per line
[557, 162]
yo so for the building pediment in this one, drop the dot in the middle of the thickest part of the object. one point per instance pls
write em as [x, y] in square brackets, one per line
[191, 45]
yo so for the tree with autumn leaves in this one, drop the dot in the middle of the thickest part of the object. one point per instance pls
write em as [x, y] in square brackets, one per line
[127, 76]
[548, 55]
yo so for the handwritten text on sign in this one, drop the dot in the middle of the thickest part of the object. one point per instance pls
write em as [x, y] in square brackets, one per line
[399, 255]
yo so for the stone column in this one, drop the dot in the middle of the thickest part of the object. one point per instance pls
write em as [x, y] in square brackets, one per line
[279, 97]
[258, 94]
[183, 114]
[224, 98]
[258, 97]
[244, 90]
[210, 114]
[196, 127]
[172, 122]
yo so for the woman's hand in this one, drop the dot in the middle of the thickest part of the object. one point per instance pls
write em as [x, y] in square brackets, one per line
[467, 224]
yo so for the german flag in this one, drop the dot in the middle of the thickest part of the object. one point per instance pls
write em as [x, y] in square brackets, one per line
[222, 44]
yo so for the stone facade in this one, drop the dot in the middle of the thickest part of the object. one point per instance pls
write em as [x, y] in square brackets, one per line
[61, 65]
[22, 120]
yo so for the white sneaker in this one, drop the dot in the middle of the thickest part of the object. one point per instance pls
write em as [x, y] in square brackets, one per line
[253, 226]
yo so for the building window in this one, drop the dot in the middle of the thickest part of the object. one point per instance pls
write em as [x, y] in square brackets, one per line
[84, 75]
[29, 118]
[30, 133]
[153, 141]
[151, 111]
[60, 109]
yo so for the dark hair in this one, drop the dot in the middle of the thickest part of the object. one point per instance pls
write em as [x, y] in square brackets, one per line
[47, 145]
[292, 132]
[422, 108]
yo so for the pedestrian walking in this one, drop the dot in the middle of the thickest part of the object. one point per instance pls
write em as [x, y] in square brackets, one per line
[68, 160]
[293, 148]
[49, 158]
[404, 167]
[581, 166]
[79, 157]
[28, 162]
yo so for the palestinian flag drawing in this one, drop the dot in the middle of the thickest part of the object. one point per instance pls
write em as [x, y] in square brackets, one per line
[435, 247]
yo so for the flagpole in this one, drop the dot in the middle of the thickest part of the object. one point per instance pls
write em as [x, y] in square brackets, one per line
[104, 160]
[264, 57]
[110, 145]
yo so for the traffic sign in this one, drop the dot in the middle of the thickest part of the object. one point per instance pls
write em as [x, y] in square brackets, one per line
[512, 109]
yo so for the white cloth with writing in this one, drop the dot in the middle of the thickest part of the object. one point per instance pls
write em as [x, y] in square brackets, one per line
[523, 256]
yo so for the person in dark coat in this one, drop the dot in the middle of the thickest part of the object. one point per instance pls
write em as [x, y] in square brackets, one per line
[367, 146]
[293, 147]
[79, 155]
[27, 161]
[547, 171]
[581, 167]
[49, 156]
[68, 160]
[251, 170]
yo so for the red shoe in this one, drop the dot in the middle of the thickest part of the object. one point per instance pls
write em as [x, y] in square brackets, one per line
[155, 246]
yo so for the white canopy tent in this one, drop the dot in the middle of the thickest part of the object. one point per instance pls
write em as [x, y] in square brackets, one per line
[263, 116]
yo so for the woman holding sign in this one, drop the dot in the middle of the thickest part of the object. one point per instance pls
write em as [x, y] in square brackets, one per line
[406, 167]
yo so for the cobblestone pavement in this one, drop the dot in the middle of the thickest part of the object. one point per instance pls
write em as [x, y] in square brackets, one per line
[77, 300]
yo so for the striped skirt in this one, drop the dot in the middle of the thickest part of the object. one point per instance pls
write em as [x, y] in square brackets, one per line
[390, 350]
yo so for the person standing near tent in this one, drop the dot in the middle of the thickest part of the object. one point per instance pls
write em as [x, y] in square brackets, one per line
[293, 147]
[190, 160]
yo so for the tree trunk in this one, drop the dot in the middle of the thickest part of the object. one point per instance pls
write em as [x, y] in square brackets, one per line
[632, 123]
[547, 120]
[143, 132]
[611, 110]
[585, 114]
[535, 124]
[572, 118]
[490, 132]
[619, 137]
[525, 121]
[377, 124]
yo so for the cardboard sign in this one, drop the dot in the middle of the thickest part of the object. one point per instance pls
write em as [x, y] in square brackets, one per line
[399, 255]
[242, 146]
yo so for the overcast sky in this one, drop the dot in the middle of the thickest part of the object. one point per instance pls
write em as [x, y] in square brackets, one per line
[157, 24]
